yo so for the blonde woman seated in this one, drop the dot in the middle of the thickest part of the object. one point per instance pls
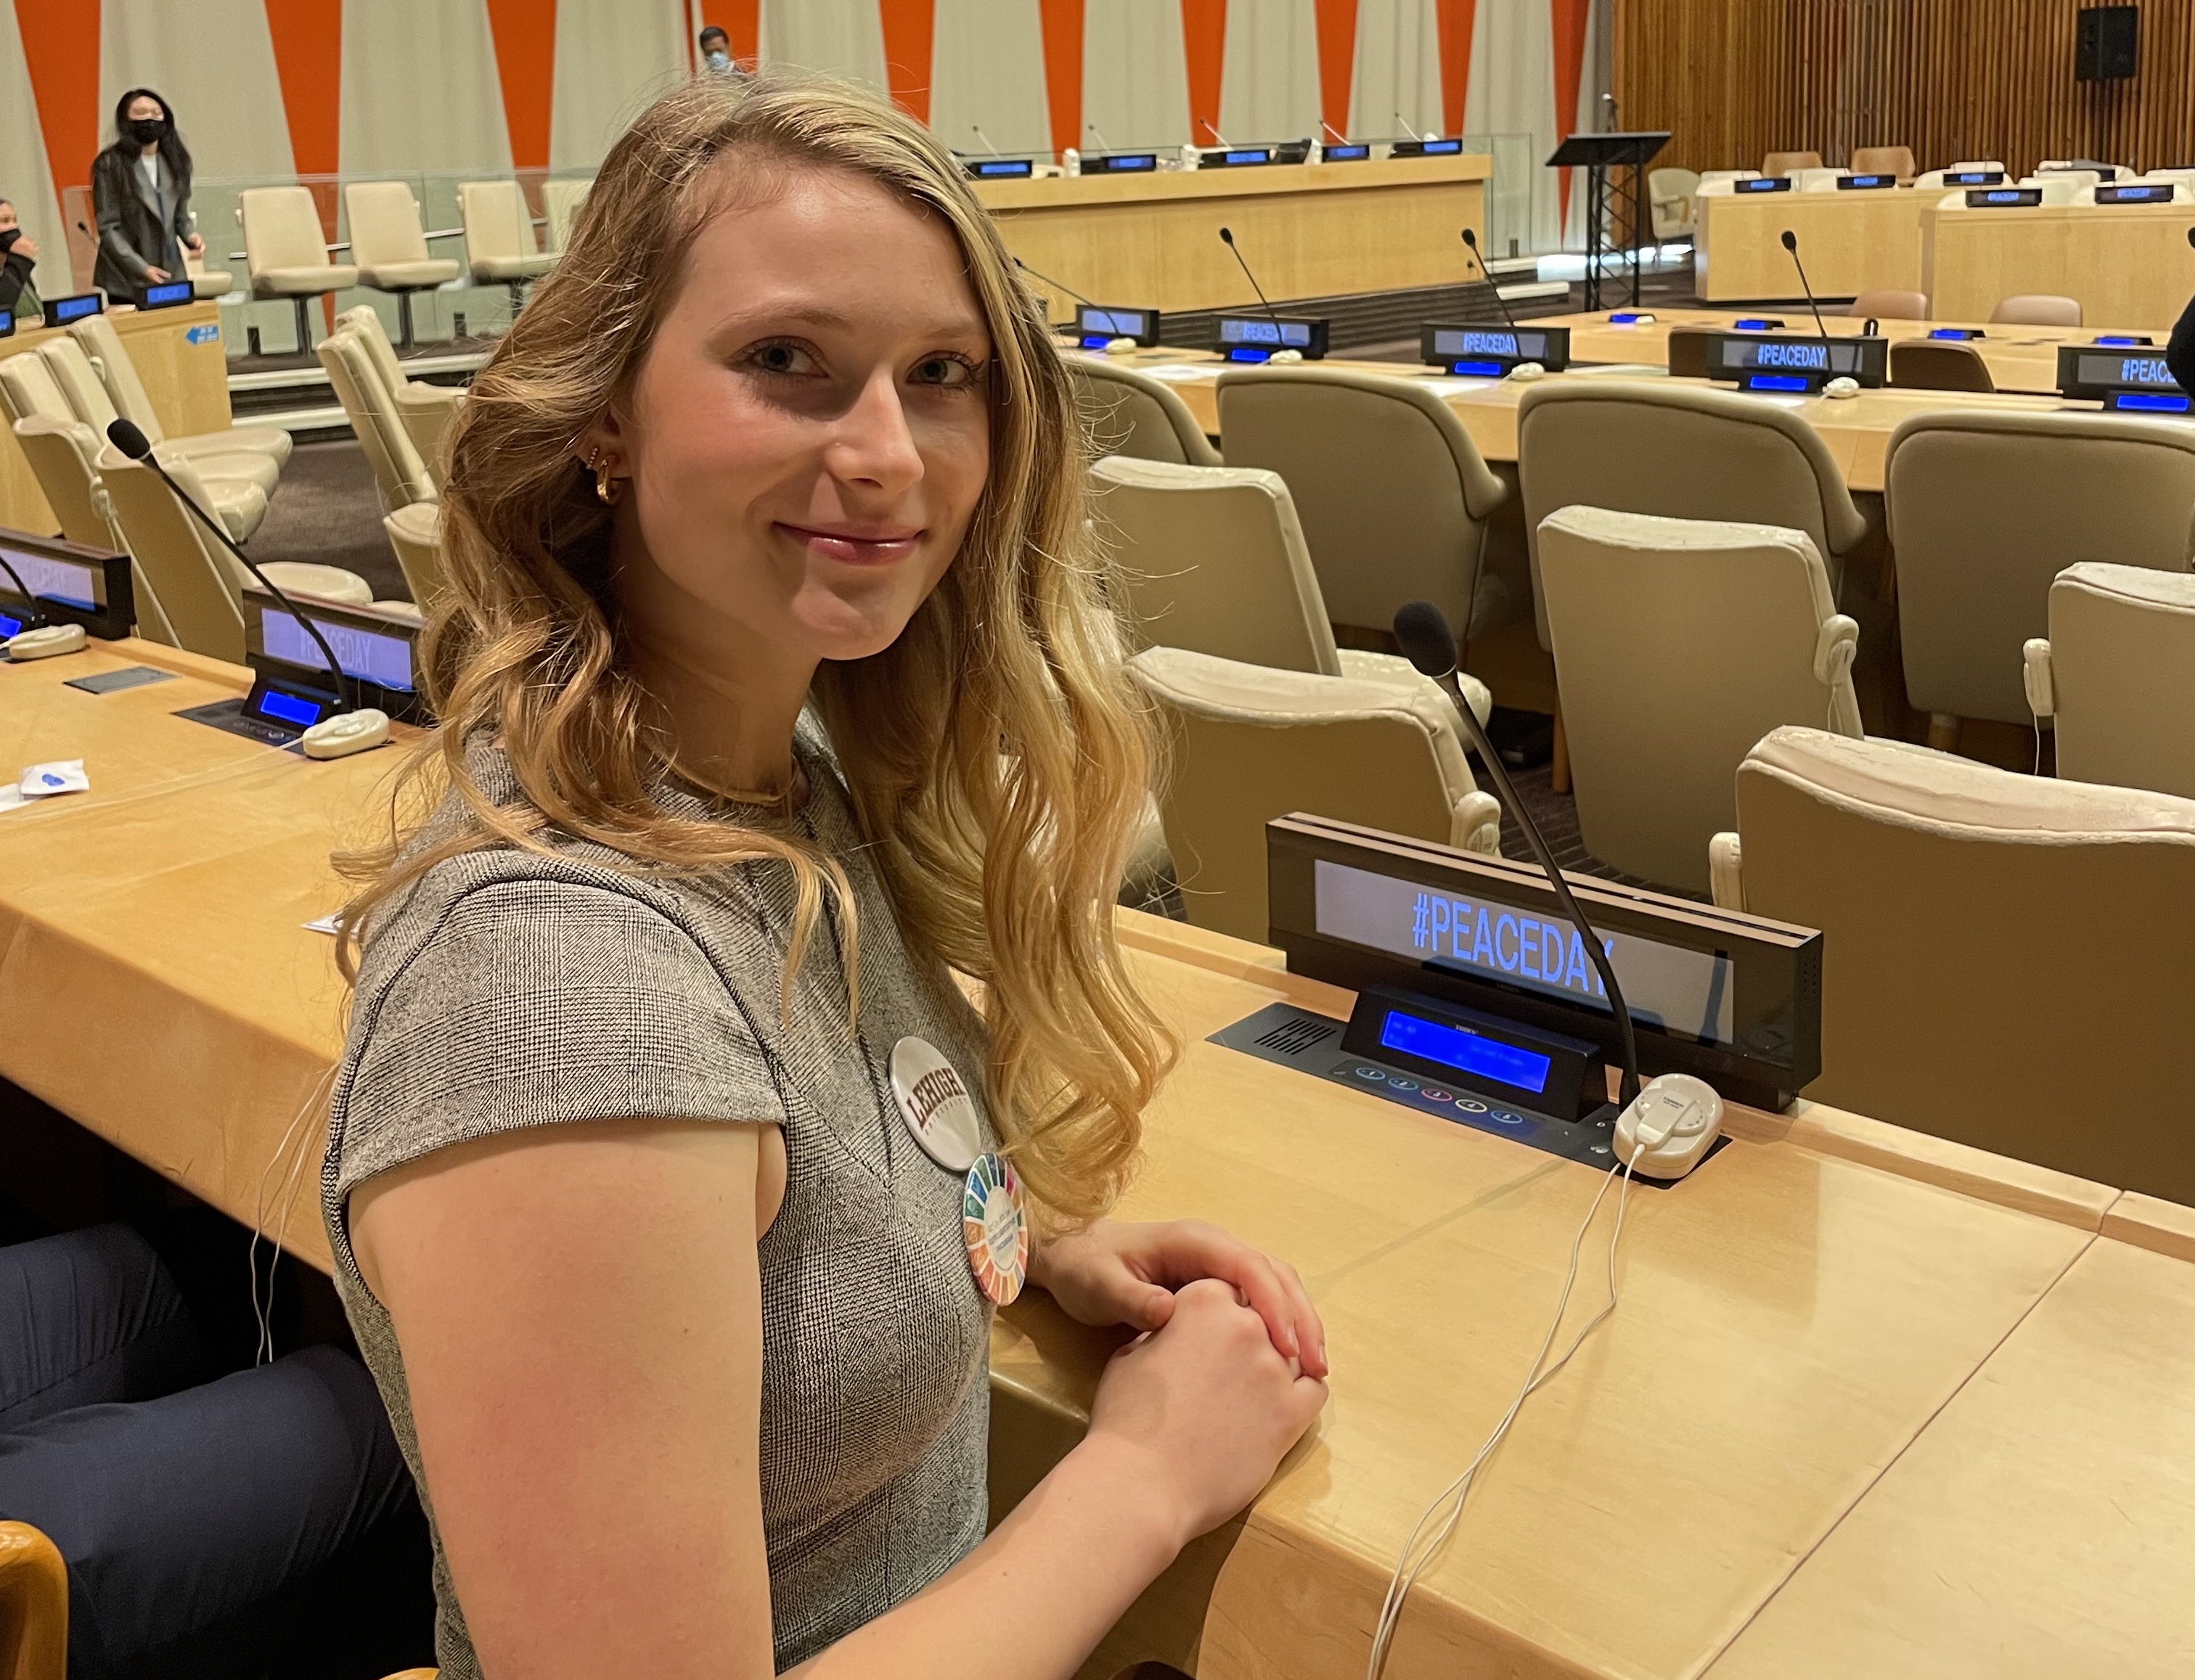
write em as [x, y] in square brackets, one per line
[776, 682]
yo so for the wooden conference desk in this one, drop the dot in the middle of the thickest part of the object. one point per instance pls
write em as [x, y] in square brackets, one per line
[1850, 1360]
[1850, 242]
[180, 359]
[1309, 230]
[1857, 430]
[2124, 263]
[2019, 358]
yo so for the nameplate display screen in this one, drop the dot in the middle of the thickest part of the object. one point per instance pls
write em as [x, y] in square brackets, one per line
[2141, 193]
[1356, 152]
[1425, 148]
[1107, 324]
[1865, 183]
[1750, 359]
[1236, 157]
[2094, 371]
[2004, 197]
[1765, 183]
[1733, 998]
[60, 311]
[1001, 168]
[1467, 1052]
[1254, 337]
[1493, 350]
[165, 296]
[1972, 178]
[7, 323]
[384, 658]
[1121, 162]
[82, 587]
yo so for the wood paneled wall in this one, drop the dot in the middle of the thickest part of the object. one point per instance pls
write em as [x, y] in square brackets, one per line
[1736, 79]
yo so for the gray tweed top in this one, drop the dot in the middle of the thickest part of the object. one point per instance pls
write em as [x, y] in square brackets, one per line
[508, 989]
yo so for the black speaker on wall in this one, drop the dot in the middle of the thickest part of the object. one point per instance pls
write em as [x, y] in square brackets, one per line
[2107, 43]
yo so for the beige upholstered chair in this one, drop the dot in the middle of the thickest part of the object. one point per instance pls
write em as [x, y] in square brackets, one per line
[88, 399]
[1214, 562]
[415, 533]
[1783, 162]
[2038, 309]
[206, 282]
[285, 252]
[1934, 364]
[1985, 508]
[1679, 643]
[1393, 495]
[1131, 413]
[2117, 674]
[1251, 743]
[2004, 960]
[388, 245]
[398, 469]
[428, 413]
[499, 241]
[1682, 452]
[1883, 305]
[560, 208]
[61, 454]
[1671, 192]
[109, 360]
[199, 585]
[1896, 160]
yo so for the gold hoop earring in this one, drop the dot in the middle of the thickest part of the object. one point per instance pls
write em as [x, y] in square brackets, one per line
[606, 487]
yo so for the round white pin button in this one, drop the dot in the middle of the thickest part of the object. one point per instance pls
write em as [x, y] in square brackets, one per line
[935, 1105]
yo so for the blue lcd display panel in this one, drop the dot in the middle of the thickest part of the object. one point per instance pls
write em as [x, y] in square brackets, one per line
[60, 311]
[7, 323]
[1755, 324]
[2143, 193]
[290, 708]
[1960, 333]
[2005, 197]
[1248, 154]
[1972, 178]
[385, 659]
[1777, 381]
[2151, 402]
[1001, 168]
[1355, 153]
[1766, 183]
[166, 295]
[1865, 183]
[1121, 163]
[2124, 341]
[1466, 1052]
[1102, 324]
[1283, 335]
[10, 625]
[57, 580]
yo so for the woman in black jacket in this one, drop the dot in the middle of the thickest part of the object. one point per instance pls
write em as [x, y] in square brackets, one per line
[140, 193]
[18, 257]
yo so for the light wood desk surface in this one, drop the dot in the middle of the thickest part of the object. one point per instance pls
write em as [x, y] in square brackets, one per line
[2021, 358]
[1796, 1316]
[1850, 242]
[2124, 263]
[1856, 430]
[179, 357]
[1309, 230]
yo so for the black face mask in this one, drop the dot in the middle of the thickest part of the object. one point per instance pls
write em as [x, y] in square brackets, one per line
[147, 131]
[7, 238]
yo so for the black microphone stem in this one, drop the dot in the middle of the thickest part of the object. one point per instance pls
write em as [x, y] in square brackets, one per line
[1055, 286]
[1791, 245]
[1478, 257]
[346, 695]
[29, 600]
[1227, 237]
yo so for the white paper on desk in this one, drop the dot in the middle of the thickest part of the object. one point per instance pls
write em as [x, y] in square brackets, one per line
[1176, 373]
[1446, 385]
[62, 776]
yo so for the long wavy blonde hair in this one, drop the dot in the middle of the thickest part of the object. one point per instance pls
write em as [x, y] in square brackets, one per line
[996, 753]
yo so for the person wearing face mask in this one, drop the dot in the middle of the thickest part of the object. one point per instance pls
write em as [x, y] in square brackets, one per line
[717, 53]
[19, 258]
[140, 194]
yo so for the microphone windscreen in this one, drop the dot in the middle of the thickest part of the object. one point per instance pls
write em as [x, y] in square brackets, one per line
[125, 436]
[1425, 638]
[1227, 234]
[1791, 241]
[1471, 239]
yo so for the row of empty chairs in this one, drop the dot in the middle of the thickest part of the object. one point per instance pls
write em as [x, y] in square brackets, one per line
[405, 426]
[287, 255]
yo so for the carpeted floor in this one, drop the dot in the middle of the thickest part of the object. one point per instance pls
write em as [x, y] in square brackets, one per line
[327, 511]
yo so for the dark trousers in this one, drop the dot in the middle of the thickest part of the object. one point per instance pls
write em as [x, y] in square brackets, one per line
[258, 1525]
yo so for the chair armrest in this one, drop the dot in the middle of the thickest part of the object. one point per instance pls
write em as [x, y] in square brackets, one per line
[1726, 879]
[1475, 824]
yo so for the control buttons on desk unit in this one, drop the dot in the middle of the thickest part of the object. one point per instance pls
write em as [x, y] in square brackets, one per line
[1471, 1105]
[1398, 1083]
[1371, 1074]
[1503, 1117]
[1435, 1093]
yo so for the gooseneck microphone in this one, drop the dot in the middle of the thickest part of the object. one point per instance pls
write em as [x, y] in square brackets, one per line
[1492, 285]
[1056, 286]
[1428, 643]
[1104, 145]
[976, 128]
[1227, 237]
[1791, 245]
[125, 436]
